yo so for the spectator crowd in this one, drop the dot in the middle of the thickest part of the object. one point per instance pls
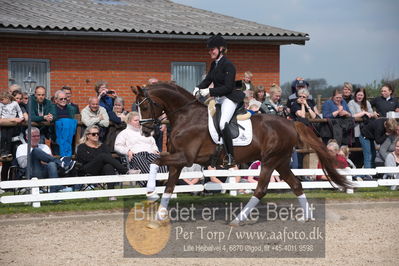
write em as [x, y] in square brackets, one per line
[108, 128]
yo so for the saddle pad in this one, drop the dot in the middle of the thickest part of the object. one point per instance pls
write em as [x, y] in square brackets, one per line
[244, 137]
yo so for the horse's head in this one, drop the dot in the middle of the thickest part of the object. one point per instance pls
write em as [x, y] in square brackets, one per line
[149, 109]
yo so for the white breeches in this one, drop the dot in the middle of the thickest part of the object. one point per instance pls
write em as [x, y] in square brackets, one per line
[228, 107]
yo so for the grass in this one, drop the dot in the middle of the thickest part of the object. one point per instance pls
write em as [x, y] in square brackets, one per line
[82, 205]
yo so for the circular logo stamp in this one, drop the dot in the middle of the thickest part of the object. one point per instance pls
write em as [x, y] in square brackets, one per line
[146, 235]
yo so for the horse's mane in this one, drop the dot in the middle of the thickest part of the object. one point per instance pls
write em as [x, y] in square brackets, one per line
[172, 86]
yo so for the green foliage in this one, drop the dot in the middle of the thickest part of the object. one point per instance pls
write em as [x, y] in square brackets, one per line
[373, 89]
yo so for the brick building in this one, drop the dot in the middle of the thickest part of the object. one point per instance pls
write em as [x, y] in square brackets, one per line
[125, 42]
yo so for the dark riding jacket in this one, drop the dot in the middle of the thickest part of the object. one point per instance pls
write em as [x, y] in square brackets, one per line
[223, 77]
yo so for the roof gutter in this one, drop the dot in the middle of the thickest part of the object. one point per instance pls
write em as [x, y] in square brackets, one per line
[153, 36]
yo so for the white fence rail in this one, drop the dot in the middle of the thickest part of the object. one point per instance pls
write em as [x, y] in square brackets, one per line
[36, 197]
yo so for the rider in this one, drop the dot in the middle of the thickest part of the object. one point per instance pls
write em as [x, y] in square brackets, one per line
[222, 74]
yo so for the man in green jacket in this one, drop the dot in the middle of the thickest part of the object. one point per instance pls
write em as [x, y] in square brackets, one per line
[42, 110]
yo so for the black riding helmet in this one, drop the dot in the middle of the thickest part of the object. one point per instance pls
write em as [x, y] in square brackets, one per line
[216, 41]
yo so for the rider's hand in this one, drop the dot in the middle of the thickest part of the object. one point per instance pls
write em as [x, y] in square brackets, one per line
[204, 92]
[195, 91]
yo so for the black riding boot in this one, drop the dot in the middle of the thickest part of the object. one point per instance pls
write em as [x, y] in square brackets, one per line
[228, 145]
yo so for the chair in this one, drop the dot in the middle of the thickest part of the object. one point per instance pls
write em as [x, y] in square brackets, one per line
[124, 160]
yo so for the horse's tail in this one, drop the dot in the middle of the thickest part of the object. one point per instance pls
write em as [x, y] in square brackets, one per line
[307, 136]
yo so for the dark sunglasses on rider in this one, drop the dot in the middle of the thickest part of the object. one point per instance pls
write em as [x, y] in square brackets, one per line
[94, 134]
[62, 99]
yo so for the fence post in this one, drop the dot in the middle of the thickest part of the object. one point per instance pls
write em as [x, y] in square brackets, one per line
[35, 191]
[349, 190]
[232, 179]
[318, 102]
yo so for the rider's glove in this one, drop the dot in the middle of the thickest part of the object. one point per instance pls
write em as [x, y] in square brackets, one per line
[204, 92]
[195, 91]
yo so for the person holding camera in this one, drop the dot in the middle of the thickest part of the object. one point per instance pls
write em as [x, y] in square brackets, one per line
[106, 99]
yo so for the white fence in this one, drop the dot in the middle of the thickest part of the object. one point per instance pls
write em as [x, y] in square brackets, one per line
[36, 197]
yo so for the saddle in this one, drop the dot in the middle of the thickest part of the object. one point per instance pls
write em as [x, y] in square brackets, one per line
[240, 114]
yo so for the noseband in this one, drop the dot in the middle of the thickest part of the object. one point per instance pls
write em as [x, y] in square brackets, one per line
[152, 105]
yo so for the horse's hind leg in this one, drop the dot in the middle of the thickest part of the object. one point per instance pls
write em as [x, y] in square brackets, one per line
[296, 186]
[260, 192]
[286, 174]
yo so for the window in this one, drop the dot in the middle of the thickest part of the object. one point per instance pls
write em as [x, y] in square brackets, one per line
[19, 68]
[188, 74]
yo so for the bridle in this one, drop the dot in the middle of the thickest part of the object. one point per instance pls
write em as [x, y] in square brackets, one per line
[155, 120]
[152, 105]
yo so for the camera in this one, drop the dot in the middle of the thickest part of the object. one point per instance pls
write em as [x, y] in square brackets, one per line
[110, 92]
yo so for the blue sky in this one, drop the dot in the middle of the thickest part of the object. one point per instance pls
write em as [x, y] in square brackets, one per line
[352, 40]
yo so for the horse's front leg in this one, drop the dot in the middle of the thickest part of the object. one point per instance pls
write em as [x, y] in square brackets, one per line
[174, 173]
[175, 162]
[174, 159]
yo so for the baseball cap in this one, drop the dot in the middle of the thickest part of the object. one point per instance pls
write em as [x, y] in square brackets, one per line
[301, 83]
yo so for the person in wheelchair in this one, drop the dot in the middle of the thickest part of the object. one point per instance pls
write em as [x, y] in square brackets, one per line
[44, 164]
[222, 74]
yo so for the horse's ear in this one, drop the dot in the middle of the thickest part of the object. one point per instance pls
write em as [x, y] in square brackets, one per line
[137, 90]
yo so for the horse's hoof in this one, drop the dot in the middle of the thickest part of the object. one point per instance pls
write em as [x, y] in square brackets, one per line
[302, 220]
[152, 196]
[234, 223]
[153, 225]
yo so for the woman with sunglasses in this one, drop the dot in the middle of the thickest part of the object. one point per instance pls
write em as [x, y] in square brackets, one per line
[95, 157]
[303, 107]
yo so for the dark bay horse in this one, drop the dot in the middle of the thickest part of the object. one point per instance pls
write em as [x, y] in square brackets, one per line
[273, 139]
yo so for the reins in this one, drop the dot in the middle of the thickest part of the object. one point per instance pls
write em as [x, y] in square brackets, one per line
[155, 120]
